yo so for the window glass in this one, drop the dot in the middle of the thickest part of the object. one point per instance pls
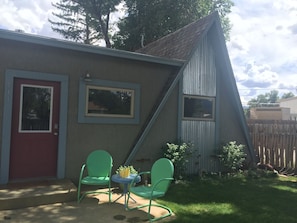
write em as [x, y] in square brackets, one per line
[107, 101]
[35, 108]
[197, 107]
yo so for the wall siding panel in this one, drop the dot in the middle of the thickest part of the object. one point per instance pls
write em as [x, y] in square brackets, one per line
[202, 135]
[200, 79]
[200, 73]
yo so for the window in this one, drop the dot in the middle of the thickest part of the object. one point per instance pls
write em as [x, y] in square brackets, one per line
[102, 101]
[198, 108]
[35, 108]
[109, 102]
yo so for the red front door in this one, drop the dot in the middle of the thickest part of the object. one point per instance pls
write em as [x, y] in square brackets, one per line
[34, 130]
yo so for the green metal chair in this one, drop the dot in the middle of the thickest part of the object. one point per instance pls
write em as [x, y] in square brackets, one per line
[161, 177]
[98, 167]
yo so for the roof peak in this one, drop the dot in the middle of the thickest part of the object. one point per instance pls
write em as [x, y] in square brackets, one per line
[179, 44]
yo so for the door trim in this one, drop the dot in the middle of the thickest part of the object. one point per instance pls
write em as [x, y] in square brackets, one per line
[7, 117]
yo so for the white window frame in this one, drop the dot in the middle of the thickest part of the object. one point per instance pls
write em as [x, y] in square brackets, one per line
[21, 109]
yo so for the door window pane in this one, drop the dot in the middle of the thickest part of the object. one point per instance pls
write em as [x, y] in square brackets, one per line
[35, 108]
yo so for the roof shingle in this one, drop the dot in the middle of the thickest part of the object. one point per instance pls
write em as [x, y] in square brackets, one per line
[179, 44]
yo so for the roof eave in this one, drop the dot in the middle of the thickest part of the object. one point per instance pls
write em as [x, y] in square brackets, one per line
[63, 44]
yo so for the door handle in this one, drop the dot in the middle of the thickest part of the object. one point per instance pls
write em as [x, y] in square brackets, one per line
[56, 127]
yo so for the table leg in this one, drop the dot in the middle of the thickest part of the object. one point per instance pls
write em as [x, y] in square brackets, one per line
[118, 197]
[125, 191]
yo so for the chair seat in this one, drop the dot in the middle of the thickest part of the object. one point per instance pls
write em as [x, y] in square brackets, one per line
[97, 172]
[146, 192]
[95, 180]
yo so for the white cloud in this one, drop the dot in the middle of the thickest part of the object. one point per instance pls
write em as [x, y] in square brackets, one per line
[264, 31]
[259, 76]
[240, 45]
[29, 16]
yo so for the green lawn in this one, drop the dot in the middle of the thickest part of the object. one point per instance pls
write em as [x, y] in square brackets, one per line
[236, 199]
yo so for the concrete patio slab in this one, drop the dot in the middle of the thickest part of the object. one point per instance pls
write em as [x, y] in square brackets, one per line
[91, 209]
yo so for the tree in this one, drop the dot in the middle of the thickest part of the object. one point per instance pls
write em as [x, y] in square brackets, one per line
[288, 95]
[84, 21]
[147, 21]
[267, 98]
[100, 10]
[74, 22]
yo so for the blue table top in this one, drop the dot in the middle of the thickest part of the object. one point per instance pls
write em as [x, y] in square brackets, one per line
[116, 178]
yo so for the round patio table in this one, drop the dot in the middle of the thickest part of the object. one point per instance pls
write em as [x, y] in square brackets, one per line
[125, 181]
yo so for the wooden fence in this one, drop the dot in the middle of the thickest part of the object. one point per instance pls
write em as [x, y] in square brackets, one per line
[275, 143]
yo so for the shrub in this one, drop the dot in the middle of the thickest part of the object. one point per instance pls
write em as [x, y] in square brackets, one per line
[232, 156]
[178, 154]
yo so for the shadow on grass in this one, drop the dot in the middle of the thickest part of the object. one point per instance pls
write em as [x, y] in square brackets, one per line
[234, 200]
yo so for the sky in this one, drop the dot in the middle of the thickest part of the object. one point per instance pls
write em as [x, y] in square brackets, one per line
[262, 46]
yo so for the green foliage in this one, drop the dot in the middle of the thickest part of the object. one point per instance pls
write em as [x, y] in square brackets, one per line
[88, 21]
[288, 95]
[179, 154]
[132, 169]
[232, 156]
[259, 173]
[84, 21]
[148, 21]
[267, 98]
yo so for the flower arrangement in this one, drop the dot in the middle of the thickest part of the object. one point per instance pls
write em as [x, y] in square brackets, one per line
[125, 171]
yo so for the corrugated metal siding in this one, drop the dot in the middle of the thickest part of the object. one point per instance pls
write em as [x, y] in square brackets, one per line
[200, 79]
[200, 73]
[202, 135]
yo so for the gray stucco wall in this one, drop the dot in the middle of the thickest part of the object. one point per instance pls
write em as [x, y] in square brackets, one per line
[81, 139]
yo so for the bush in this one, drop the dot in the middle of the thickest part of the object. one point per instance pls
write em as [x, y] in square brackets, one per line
[178, 154]
[232, 156]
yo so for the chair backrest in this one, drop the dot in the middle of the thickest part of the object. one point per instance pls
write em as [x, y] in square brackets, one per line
[99, 163]
[162, 168]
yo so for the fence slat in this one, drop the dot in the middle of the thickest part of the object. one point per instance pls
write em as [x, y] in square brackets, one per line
[275, 142]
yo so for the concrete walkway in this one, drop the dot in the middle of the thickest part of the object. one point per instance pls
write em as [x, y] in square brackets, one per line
[91, 209]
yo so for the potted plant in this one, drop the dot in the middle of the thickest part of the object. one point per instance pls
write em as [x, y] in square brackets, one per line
[126, 171]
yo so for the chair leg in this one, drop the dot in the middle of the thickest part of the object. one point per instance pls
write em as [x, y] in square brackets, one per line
[78, 193]
[163, 216]
[149, 210]
[80, 196]
[128, 203]
[149, 205]
[128, 193]
[109, 194]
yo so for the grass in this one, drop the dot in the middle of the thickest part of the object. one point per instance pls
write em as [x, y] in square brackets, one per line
[234, 199]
